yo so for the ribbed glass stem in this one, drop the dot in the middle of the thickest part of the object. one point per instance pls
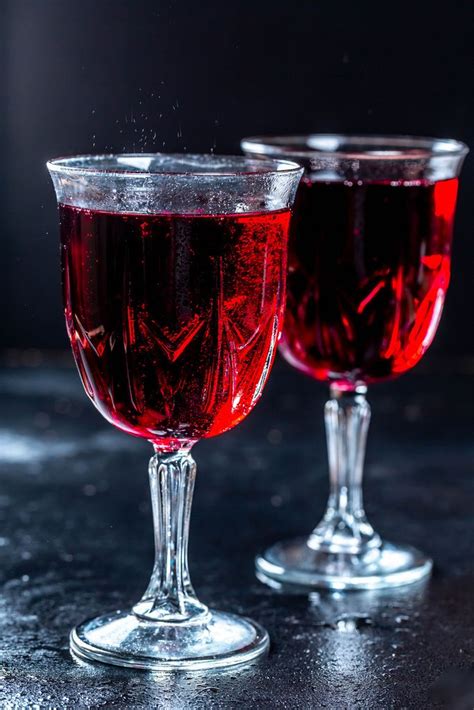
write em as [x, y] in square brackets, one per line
[345, 527]
[170, 595]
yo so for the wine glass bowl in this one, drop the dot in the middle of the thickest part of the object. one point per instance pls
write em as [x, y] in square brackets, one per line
[368, 271]
[174, 284]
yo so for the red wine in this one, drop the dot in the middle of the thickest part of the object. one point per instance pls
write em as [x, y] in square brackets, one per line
[173, 319]
[369, 265]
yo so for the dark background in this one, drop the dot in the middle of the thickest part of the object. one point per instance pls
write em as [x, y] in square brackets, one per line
[105, 75]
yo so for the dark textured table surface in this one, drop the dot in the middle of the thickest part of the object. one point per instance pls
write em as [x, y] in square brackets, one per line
[76, 539]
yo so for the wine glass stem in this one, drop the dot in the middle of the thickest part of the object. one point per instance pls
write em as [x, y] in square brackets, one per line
[345, 527]
[170, 596]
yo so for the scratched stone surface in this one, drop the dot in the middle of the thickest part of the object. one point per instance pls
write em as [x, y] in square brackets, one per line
[76, 540]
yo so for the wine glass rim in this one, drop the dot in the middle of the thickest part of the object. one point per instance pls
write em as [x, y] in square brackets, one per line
[360, 146]
[155, 165]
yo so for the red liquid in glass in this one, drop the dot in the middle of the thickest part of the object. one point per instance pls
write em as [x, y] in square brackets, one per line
[369, 266]
[173, 319]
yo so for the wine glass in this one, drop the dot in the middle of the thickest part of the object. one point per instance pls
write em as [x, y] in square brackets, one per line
[369, 265]
[174, 281]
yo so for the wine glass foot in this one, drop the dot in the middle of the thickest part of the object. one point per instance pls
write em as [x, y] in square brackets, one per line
[123, 639]
[295, 564]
